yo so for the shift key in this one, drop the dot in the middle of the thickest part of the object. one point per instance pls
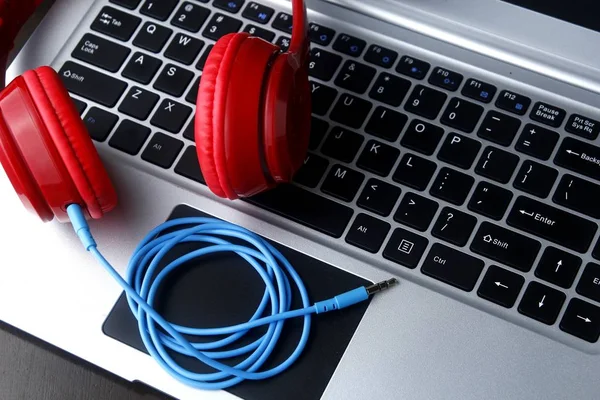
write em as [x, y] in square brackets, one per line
[552, 224]
[91, 84]
[579, 157]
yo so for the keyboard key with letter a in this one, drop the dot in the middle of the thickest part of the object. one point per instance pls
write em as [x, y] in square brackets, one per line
[141, 68]
[414, 171]
[342, 182]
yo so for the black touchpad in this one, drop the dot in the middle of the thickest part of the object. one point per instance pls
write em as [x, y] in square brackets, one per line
[222, 289]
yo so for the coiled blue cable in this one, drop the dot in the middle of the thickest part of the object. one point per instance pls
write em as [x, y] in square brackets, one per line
[141, 286]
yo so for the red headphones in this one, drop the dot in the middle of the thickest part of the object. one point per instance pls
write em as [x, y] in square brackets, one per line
[252, 122]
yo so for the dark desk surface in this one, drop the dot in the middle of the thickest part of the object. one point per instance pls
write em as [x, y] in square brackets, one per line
[32, 369]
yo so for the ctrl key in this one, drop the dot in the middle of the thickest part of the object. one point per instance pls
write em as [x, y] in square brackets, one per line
[405, 248]
[452, 267]
[582, 319]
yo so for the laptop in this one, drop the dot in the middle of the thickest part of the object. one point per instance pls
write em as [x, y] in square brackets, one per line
[453, 147]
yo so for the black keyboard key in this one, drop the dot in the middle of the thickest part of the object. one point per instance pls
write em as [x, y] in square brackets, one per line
[389, 89]
[342, 182]
[513, 102]
[589, 283]
[171, 115]
[425, 102]
[367, 233]
[220, 25]
[405, 248]
[312, 171]
[350, 110]
[323, 64]
[129, 137]
[131, 4]
[386, 123]
[232, 6]
[190, 131]
[535, 178]
[548, 114]
[101, 52]
[322, 97]
[552, 224]
[159, 9]
[413, 67]
[259, 32]
[320, 34]
[116, 23]
[505, 246]
[462, 115]
[191, 16]
[318, 129]
[379, 197]
[578, 195]
[378, 158]
[582, 319]
[342, 144]
[91, 84]
[138, 103]
[152, 37]
[479, 90]
[99, 123]
[204, 57]
[258, 12]
[497, 164]
[422, 136]
[189, 166]
[355, 76]
[80, 105]
[414, 171]
[416, 211]
[445, 78]
[141, 68]
[537, 141]
[283, 22]
[541, 303]
[583, 126]
[499, 128]
[579, 157]
[454, 226]
[192, 96]
[184, 48]
[452, 267]
[283, 42]
[558, 267]
[173, 80]
[380, 56]
[500, 286]
[490, 200]
[162, 150]
[349, 45]
[306, 208]
[459, 150]
[452, 186]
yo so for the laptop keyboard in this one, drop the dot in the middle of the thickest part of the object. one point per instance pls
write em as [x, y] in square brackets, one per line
[426, 168]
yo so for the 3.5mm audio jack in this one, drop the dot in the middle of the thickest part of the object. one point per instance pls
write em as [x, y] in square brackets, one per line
[378, 287]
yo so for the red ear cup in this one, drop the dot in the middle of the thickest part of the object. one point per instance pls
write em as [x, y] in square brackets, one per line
[46, 150]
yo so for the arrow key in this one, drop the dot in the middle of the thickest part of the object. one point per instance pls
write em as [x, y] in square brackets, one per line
[542, 303]
[582, 319]
[501, 286]
[558, 267]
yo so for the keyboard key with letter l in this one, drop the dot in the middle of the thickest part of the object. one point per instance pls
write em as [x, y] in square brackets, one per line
[513, 102]
[583, 126]
[462, 115]
[552, 224]
[367, 233]
[306, 208]
[425, 102]
[452, 267]
[355, 76]
[342, 182]
[541, 303]
[579, 157]
[558, 267]
[459, 150]
[535, 179]
[497, 164]
[101, 52]
[422, 136]
[379, 197]
[499, 128]
[537, 141]
[405, 248]
[162, 150]
[413, 67]
[589, 283]
[578, 195]
[500, 286]
[452, 186]
[478, 90]
[548, 114]
[582, 319]
[416, 211]
[445, 79]
[490, 200]
[414, 171]
[389, 89]
[116, 23]
[454, 226]
[505, 246]
[91, 84]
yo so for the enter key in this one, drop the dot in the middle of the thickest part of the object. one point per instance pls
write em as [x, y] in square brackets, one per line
[552, 224]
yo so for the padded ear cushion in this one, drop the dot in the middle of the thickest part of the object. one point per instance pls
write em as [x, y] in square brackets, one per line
[72, 141]
[210, 113]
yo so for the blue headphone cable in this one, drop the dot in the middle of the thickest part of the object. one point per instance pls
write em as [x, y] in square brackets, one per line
[140, 286]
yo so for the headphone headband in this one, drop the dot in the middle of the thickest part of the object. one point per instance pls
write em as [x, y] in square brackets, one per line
[299, 47]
